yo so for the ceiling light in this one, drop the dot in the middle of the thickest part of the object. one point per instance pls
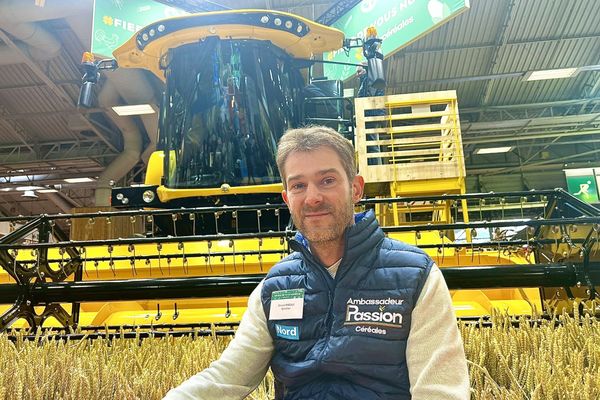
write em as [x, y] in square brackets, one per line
[6, 189]
[30, 194]
[78, 180]
[47, 191]
[29, 188]
[136, 109]
[23, 178]
[551, 74]
[493, 150]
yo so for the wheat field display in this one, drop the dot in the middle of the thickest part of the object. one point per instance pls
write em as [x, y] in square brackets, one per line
[557, 358]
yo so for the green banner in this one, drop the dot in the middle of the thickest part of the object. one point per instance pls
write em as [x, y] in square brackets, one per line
[582, 184]
[398, 23]
[115, 21]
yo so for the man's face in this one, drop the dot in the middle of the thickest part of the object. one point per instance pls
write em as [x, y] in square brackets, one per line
[319, 196]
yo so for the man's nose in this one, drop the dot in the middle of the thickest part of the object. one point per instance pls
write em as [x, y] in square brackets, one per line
[313, 195]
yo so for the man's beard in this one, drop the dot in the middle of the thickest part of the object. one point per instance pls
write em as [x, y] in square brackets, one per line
[342, 218]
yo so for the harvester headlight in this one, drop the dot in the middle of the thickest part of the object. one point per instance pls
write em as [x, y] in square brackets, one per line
[125, 200]
[119, 196]
[264, 19]
[288, 24]
[148, 196]
[277, 21]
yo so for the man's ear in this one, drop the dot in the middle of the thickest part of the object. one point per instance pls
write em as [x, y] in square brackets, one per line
[358, 188]
[285, 197]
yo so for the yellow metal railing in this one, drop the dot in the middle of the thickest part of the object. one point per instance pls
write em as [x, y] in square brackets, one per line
[412, 145]
[409, 137]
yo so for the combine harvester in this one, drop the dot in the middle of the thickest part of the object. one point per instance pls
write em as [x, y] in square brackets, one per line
[193, 242]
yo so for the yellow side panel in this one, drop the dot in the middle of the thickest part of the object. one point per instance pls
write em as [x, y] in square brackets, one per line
[155, 170]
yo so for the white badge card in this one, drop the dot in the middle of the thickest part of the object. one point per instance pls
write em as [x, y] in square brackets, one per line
[287, 304]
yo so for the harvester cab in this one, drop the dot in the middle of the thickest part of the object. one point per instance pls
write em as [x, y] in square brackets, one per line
[212, 221]
[234, 82]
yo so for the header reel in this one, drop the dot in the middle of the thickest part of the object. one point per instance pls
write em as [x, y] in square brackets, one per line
[46, 275]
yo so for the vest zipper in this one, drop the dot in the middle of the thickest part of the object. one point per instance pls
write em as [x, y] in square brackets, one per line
[329, 280]
[329, 320]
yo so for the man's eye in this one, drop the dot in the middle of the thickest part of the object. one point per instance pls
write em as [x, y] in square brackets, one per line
[328, 181]
[298, 186]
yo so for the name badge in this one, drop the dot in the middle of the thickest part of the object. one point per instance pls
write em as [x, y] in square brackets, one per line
[287, 304]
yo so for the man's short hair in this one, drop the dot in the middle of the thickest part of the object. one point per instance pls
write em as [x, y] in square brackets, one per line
[310, 138]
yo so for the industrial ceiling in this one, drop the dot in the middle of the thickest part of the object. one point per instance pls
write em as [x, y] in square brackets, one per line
[484, 54]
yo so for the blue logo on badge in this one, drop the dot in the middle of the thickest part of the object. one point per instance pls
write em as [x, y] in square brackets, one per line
[288, 332]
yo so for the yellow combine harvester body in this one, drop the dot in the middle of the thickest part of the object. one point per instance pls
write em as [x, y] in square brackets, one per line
[419, 152]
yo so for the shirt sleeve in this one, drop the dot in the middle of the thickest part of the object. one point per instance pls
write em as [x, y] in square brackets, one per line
[241, 367]
[435, 356]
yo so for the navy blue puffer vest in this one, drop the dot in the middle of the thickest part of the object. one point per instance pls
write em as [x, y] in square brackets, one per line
[351, 340]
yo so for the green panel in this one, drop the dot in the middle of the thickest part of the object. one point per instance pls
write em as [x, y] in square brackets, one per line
[398, 23]
[115, 21]
[584, 187]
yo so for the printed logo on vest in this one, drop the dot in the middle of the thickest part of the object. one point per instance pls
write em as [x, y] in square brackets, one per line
[288, 332]
[373, 315]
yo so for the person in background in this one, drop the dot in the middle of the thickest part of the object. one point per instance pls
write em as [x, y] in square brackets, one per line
[350, 314]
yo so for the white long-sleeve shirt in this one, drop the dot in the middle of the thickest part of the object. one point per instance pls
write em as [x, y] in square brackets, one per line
[435, 357]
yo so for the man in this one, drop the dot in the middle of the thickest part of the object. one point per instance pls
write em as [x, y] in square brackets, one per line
[350, 314]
